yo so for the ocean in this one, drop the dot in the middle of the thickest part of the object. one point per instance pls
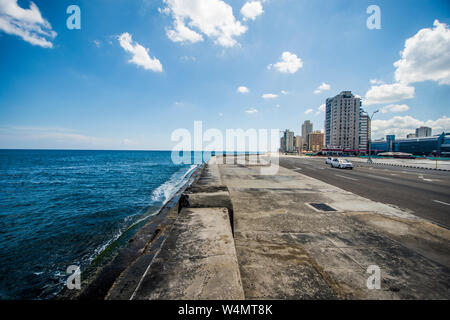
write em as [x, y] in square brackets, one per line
[60, 208]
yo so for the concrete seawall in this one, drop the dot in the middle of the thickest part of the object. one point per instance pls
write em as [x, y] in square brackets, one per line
[187, 251]
[197, 260]
[97, 283]
[234, 234]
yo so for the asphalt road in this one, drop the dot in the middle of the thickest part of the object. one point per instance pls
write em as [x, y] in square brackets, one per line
[425, 193]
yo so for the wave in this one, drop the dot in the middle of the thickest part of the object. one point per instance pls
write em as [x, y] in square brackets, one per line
[166, 191]
[161, 194]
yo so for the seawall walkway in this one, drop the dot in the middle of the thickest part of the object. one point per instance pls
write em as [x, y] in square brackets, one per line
[236, 234]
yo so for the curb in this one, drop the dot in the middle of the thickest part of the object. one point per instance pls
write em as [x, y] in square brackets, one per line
[404, 166]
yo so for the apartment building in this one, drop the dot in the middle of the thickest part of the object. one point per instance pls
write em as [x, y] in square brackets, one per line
[342, 121]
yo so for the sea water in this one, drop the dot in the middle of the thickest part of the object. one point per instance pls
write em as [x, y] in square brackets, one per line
[60, 208]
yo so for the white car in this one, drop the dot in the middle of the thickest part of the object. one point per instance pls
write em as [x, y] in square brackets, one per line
[341, 164]
[328, 161]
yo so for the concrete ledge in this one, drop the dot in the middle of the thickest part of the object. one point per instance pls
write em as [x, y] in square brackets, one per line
[208, 192]
[197, 261]
[208, 197]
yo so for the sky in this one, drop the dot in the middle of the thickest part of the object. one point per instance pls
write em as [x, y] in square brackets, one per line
[136, 70]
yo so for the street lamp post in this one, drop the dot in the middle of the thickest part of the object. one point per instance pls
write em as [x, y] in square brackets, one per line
[369, 160]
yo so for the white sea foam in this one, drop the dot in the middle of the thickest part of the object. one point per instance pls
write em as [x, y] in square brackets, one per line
[166, 191]
[161, 194]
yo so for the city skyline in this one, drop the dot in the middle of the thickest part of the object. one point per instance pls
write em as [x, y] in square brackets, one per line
[227, 157]
[137, 71]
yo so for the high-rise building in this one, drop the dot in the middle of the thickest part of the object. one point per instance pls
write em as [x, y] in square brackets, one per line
[423, 132]
[410, 136]
[299, 143]
[288, 141]
[315, 141]
[364, 132]
[307, 128]
[342, 117]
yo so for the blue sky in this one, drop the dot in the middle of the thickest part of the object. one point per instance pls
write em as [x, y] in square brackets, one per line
[79, 89]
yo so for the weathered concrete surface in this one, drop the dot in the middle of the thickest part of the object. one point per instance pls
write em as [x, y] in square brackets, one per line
[288, 250]
[197, 258]
[424, 237]
[283, 248]
[197, 261]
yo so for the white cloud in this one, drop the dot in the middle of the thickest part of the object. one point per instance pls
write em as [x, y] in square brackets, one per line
[269, 96]
[284, 92]
[309, 111]
[388, 93]
[183, 33]
[140, 54]
[323, 87]
[252, 9]
[213, 18]
[402, 125]
[165, 10]
[243, 90]
[220, 114]
[426, 56]
[320, 110]
[251, 111]
[395, 108]
[289, 63]
[277, 106]
[376, 81]
[97, 43]
[26, 23]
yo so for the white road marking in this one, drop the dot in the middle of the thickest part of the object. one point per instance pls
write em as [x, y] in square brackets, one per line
[338, 175]
[441, 202]
[429, 180]
[377, 177]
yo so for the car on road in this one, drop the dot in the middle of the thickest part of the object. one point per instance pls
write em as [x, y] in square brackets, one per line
[341, 164]
[328, 160]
